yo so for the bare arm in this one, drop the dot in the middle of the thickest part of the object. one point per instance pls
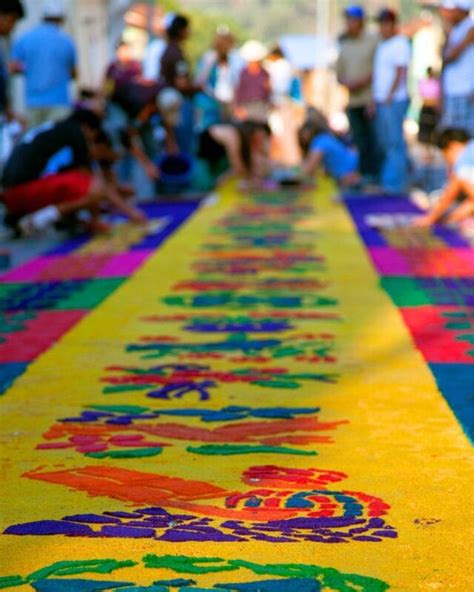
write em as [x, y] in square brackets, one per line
[450, 194]
[451, 55]
[124, 207]
[228, 137]
[135, 147]
[400, 75]
[137, 151]
[262, 165]
[340, 69]
[312, 162]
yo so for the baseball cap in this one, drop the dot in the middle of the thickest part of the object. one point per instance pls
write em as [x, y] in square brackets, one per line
[387, 14]
[461, 4]
[53, 9]
[355, 12]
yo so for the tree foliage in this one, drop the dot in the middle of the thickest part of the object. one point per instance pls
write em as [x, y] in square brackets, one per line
[267, 20]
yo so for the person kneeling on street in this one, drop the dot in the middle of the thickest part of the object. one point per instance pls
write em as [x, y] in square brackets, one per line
[243, 145]
[323, 149]
[458, 152]
[51, 175]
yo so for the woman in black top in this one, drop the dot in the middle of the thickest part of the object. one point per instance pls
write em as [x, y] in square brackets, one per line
[245, 145]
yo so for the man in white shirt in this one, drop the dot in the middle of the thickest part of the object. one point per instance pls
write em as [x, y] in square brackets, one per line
[458, 66]
[390, 92]
[152, 58]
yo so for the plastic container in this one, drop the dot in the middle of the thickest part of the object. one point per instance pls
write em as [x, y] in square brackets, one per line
[176, 173]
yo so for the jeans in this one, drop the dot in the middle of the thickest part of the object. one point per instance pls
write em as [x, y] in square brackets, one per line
[364, 137]
[458, 111]
[389, 123]
[128, 170]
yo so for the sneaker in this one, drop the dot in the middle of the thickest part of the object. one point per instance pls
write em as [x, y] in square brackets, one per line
[38, 221]
[420, 199]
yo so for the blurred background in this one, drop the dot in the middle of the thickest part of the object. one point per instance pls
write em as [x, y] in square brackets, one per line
[309, 39]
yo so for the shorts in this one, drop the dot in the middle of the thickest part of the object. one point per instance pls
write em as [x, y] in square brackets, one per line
[459, 113]
[51, 190]
[428, 122]
[39, 115]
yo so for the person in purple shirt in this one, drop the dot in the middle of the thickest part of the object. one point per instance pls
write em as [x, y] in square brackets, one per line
[253, 92]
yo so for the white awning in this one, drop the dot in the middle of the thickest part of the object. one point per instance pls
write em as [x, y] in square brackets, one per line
[306, 52]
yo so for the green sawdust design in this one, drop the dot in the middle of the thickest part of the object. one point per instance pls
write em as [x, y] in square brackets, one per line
[330, 578]
[67, 568]
[134, 453]
[404, 291]
[91, 294]
[230, 449]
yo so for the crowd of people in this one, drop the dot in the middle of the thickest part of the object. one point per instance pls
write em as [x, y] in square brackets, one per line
[234, 115]
[374, 68]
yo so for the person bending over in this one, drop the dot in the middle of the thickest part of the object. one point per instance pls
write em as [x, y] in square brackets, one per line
[458, 152]
[321, 147]
[50, 175]
[141, 112]
[245, 145]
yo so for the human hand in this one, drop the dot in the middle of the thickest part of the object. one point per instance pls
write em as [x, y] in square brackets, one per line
[354, 85]
[422, 221]
[224, 177]
[137, 217]
[370, 109]
[152, 171]
[172, 146]
[98, 227]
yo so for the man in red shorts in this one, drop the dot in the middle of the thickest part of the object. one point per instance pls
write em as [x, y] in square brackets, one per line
[50, 175]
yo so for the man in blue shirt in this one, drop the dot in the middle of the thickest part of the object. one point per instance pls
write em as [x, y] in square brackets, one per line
[321, 147]
[47, 57]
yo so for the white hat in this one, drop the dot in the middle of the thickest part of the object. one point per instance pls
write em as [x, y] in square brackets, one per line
[53, 9]
[253, 51]
[169, 102]
[461, 4]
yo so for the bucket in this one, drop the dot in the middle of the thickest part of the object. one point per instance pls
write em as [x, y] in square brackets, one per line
[176, 173]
